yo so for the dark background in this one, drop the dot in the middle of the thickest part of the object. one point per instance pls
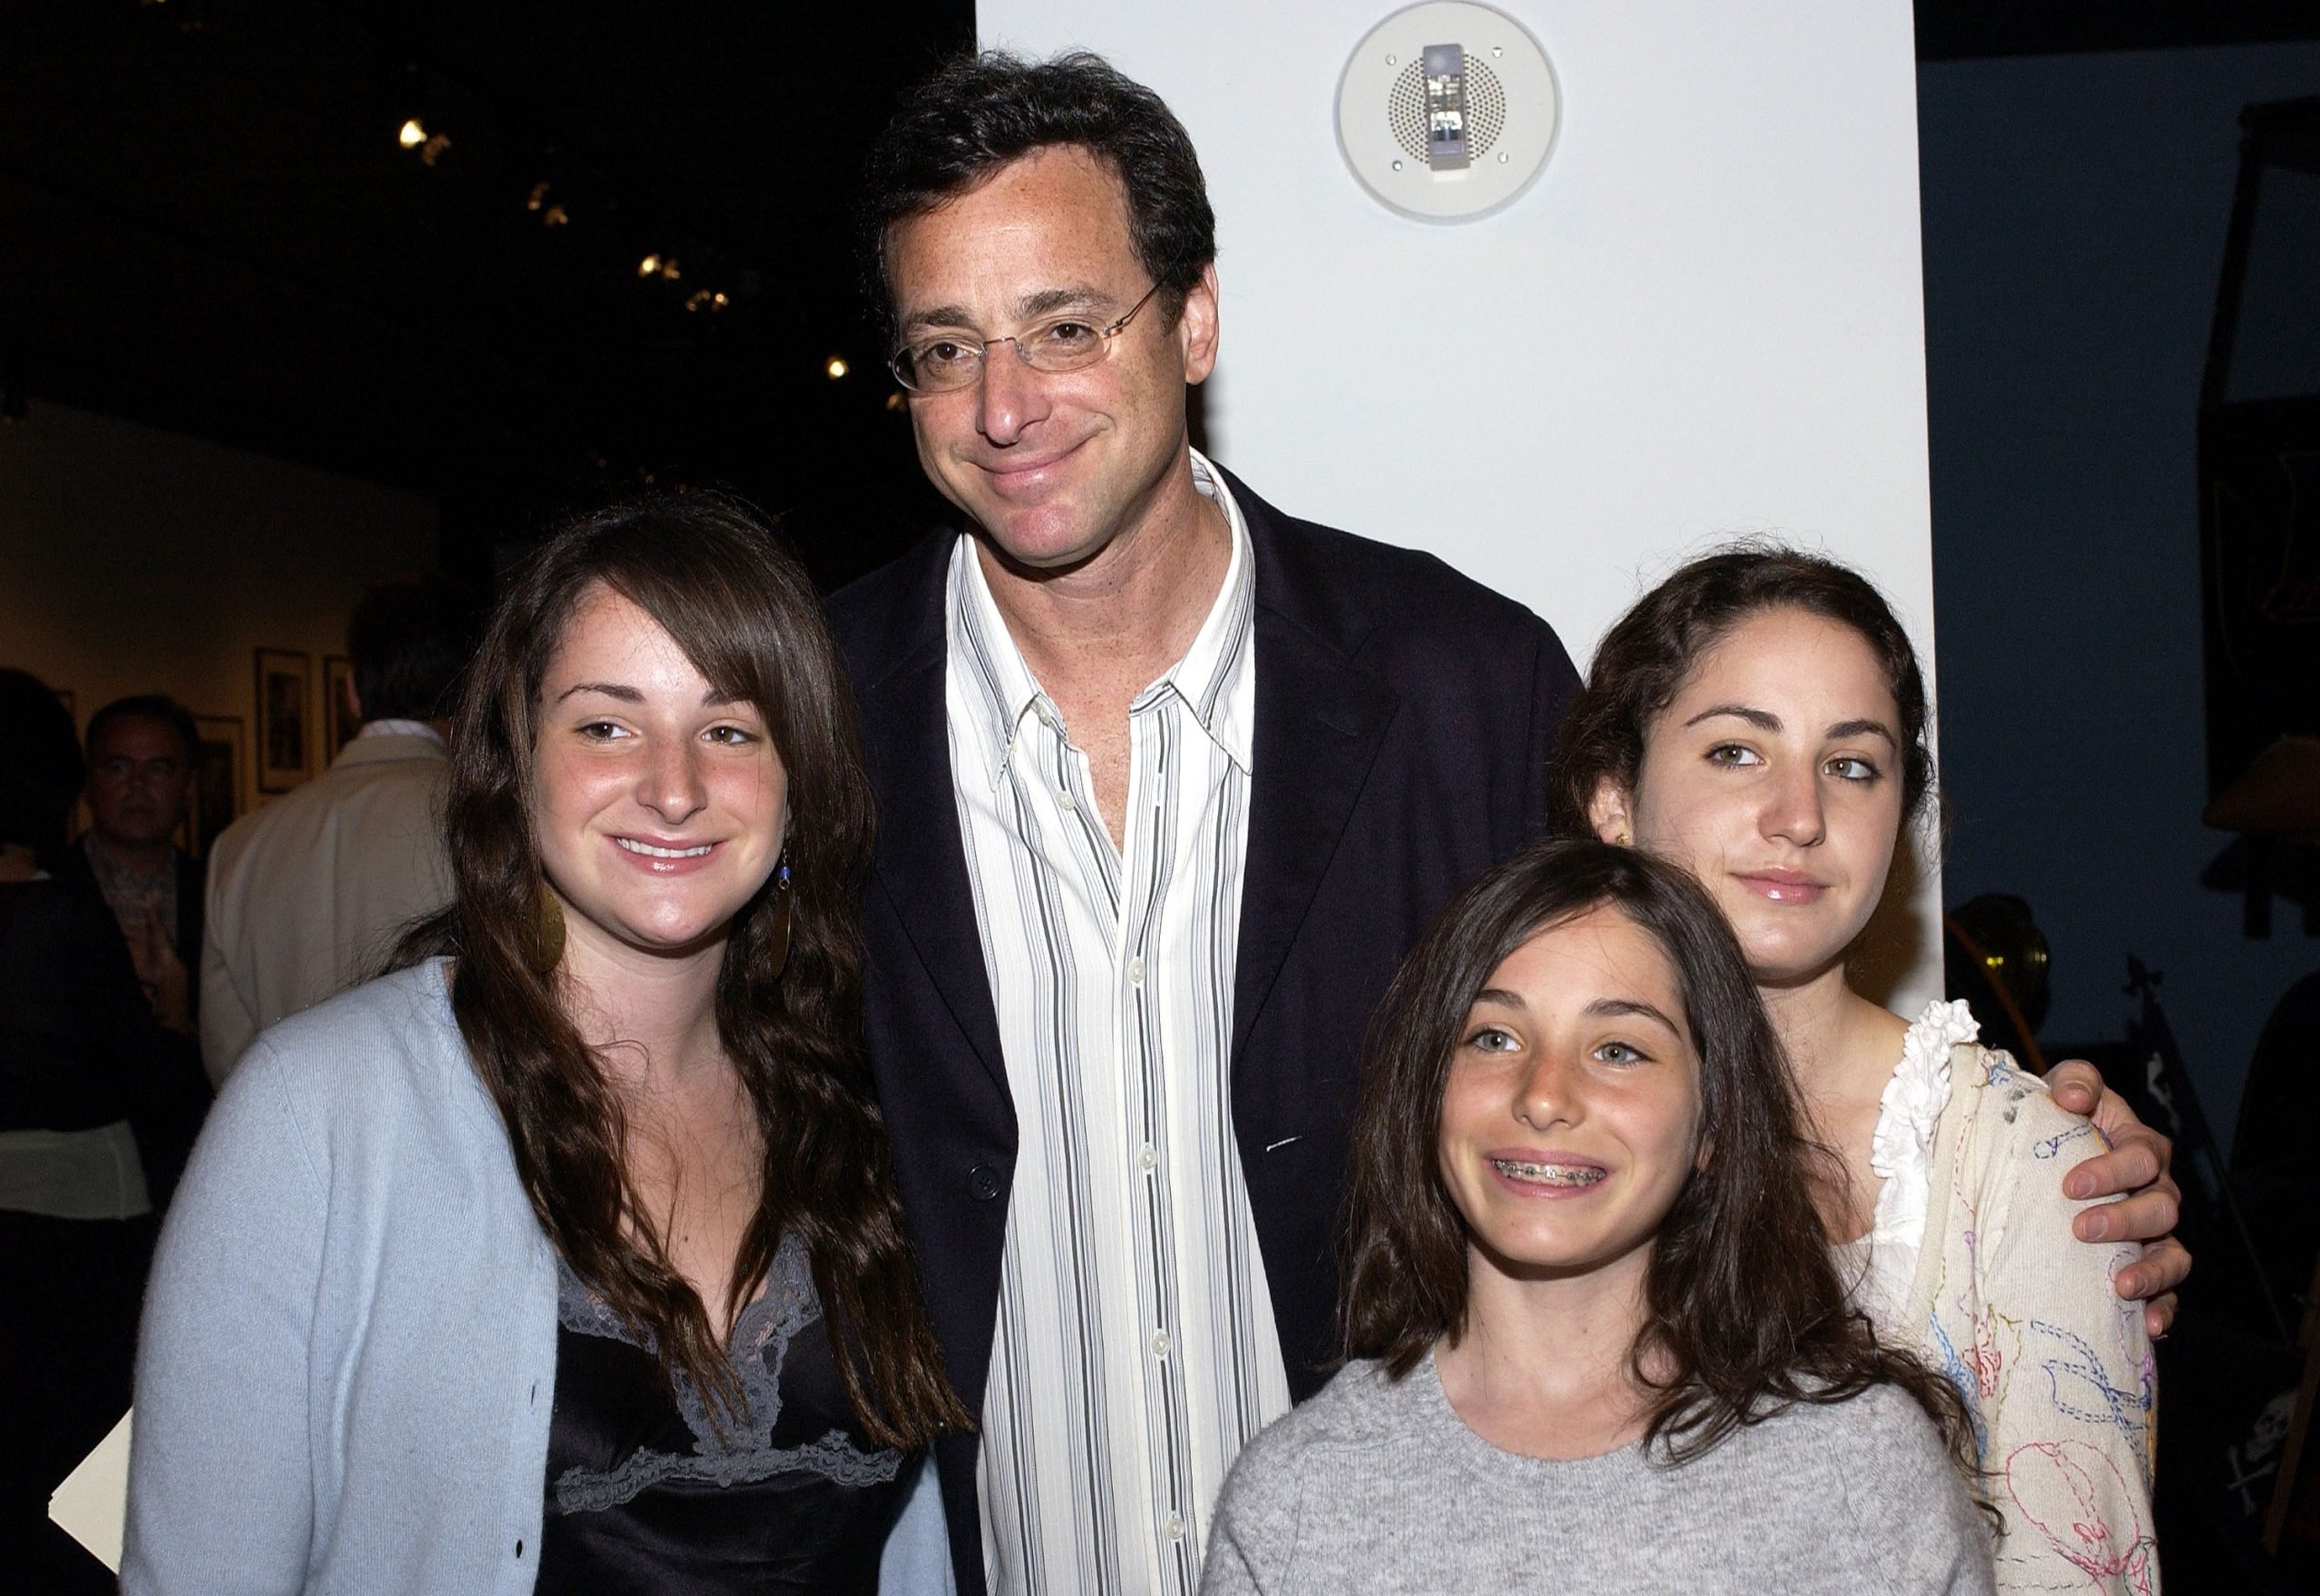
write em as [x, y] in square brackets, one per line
[207, 224]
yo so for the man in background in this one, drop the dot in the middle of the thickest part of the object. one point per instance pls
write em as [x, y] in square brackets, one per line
[307, 896]
[140, 752]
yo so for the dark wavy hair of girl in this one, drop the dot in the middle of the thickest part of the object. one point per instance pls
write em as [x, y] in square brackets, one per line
[1746, 1312]
[712, 574]
[1649, 653]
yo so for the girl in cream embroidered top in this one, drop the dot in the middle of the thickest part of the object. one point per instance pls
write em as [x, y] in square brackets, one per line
[1760, 718]
[1969, 1263]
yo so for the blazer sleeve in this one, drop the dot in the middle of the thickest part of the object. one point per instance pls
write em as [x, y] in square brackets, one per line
[2065, 1367]
[221, 1474]
[1554, 683]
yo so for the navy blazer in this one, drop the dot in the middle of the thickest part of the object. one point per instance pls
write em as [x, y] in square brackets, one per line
[1403, 720]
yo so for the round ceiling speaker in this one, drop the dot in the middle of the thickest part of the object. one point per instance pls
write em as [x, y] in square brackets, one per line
[1446, 111]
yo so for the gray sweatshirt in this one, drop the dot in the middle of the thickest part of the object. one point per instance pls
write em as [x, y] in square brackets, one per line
[1378, 1486]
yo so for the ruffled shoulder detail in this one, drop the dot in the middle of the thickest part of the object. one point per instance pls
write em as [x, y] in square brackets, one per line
[1902, 1148]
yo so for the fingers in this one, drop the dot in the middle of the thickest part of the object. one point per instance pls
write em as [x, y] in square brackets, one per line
[2147, 1216]
[2163, 1266]
[2075, 1085]
[2159, 1316]
[2130, 1166]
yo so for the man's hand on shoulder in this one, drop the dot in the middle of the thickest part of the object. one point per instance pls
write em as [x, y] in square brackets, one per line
[2136, 1166]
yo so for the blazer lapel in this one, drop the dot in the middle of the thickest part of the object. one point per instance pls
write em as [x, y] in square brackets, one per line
[922, 864]
[1319, 723]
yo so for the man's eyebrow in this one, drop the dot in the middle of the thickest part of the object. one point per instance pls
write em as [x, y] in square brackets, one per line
[939, 315]
[1030, 307]
[1047, 301]
[1763, 720]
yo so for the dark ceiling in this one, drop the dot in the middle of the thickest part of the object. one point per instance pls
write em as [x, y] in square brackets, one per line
[209, 221]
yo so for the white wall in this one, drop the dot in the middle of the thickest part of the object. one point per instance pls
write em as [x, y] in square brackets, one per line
[1705, 317]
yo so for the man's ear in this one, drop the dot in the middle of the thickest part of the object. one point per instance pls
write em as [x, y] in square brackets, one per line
[353, 704]
[1196, 324]
[1608, 813]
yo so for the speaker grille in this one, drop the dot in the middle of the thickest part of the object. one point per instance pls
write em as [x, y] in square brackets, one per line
[1485, 109]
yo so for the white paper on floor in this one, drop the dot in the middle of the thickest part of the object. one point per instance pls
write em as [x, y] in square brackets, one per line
[92, 1503]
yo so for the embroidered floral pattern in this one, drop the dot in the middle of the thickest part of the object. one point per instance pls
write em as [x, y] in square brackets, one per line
[1971, 1262]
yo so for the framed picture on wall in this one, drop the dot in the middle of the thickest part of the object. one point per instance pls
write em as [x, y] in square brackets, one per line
[218, 755]
[338, 726]
[285, 690]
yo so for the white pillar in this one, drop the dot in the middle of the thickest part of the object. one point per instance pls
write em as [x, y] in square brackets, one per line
[1704, 318]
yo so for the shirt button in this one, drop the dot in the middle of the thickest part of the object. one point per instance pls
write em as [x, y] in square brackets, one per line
[1175, 1526]
[1159, 1343]
[1136, 970]
[1064, 799]
[1147, 1159]
[982, 1182]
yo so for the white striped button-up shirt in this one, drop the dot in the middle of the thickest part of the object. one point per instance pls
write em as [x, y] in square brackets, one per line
[1135, 1350]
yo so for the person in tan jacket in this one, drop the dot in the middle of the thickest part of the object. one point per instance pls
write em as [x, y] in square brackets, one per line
[307, 896]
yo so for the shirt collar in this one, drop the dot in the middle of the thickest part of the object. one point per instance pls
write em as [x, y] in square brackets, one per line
[1002, 687]
[1211, 677]
[1211, 671]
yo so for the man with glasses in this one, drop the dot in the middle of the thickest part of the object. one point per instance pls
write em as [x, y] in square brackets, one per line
[1167, 784]
[140, 753]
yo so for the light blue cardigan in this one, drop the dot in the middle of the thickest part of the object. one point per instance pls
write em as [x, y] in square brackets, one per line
[348, 1357]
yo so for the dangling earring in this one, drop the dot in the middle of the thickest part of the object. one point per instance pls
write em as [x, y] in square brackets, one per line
[547, 930]
[778, 931]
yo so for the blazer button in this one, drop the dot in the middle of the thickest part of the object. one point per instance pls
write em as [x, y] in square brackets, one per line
[982, 1182]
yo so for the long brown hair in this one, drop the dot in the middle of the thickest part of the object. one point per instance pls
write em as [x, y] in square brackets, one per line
[1746, 1313]
[711, 572]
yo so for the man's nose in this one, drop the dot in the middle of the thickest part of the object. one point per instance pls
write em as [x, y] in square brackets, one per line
[1009, 396]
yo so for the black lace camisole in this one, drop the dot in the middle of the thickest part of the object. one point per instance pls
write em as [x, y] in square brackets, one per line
[643, 1495]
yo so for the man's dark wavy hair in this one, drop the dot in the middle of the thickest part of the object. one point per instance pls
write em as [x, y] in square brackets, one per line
[711, 574]
[983, 111]
[1746, 1315]
[410, 640]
